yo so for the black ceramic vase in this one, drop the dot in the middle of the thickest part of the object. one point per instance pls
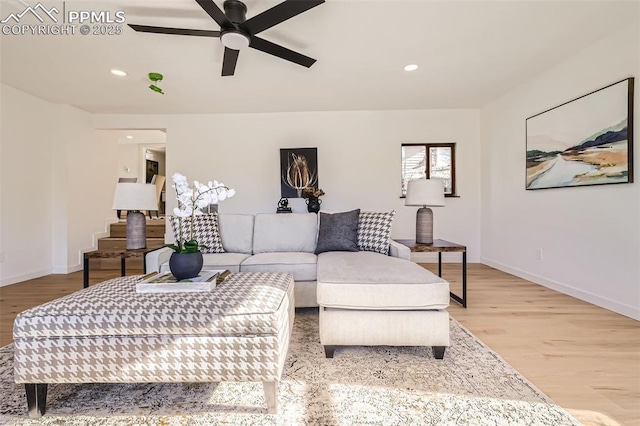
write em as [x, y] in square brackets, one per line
[185, 265]
[313, 204]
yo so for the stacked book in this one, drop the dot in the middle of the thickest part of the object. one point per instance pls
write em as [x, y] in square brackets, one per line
[165, 282]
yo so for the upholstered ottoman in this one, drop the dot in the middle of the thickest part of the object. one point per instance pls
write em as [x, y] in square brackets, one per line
[108, 333]
[369, 299]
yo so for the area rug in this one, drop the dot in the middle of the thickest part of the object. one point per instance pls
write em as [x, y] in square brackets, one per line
[472, 385]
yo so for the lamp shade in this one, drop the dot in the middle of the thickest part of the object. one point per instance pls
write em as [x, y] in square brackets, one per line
[425, 192]
[135, 196]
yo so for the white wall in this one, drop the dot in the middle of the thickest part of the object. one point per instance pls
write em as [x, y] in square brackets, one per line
[57, 186]
[128, 161]
[358, 156]
[90, 185]
[590, 236]
[26, 194]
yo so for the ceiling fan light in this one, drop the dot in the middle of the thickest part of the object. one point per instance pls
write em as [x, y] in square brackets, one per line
[234, 40]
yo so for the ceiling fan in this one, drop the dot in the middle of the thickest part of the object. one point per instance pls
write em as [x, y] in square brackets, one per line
[237, 32]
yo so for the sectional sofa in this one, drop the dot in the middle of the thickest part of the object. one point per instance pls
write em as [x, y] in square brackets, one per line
[365, 297]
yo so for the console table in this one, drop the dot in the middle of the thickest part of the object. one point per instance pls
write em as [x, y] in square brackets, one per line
[122, 254]
[440, 246]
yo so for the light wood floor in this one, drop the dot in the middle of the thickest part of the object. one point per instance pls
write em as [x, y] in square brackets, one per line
[585, 358]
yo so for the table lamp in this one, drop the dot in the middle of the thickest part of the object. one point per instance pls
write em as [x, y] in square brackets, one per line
[424, 193]
[134, 197]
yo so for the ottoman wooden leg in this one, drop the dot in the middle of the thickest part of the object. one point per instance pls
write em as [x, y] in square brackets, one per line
[329, 350]
[271, 395]
[36, 399]
[438, 352]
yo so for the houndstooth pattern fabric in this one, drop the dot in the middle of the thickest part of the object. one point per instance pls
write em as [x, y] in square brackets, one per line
[374, 231]
[244, 303]
[206, 231]
[194, 349]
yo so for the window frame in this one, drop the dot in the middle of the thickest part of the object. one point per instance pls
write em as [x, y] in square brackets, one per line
[427, 146]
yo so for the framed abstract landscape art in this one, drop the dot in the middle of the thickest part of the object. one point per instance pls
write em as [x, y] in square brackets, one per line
[586, 141]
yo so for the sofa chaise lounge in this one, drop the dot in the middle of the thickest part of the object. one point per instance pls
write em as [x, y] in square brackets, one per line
[365, 298]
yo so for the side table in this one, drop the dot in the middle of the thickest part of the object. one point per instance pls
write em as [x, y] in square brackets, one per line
[122, 254]
[440, 246]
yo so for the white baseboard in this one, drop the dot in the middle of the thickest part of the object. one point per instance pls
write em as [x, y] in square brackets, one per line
[24, 277]
[67, 270]
[603, 302]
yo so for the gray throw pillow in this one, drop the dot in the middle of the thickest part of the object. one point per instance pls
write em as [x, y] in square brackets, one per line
[338, 232]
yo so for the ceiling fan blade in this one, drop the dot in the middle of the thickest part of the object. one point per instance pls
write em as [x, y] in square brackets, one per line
[215, 12]
[281, 52]
[279, 13]
[179, 31]
[229, 61]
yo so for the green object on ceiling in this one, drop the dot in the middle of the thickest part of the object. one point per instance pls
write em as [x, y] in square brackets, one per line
[155, 77]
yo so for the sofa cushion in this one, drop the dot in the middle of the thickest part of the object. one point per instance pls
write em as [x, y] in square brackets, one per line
[338, 231]
[303, 266]
[236, 232]
[285, 233]
[205, 231]
[230, 261]
[367, 280]
[374, 231]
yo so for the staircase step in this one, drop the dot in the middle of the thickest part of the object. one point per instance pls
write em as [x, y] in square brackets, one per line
[155, 229]
[117, 240]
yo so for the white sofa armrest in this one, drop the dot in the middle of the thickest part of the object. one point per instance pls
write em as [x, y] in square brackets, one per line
[155, 258]
[399, 250]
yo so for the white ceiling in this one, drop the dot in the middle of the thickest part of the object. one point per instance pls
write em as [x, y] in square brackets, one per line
[469, 53]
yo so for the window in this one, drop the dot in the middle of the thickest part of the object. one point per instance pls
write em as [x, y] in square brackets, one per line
[430, 160]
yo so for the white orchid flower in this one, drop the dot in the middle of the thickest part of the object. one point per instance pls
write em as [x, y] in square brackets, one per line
[179, 179]
[202, 203]
[191, 200]
[185, 198]
[183, 213]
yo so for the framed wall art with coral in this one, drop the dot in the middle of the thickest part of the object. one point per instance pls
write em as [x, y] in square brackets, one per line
[586, 141]
[298, 170]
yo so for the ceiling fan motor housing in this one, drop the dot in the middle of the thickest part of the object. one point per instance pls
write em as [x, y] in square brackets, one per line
[236, 11]
[235, 38]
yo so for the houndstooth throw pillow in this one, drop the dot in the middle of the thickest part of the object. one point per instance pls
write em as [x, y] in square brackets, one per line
[374, 231]
[205, 231]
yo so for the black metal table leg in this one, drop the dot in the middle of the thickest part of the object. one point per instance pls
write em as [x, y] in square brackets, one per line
[462, 300]
[464, 279]
[85, 273]
[123, 267]
[440, 264]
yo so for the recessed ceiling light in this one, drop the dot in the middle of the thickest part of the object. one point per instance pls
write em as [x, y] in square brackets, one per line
[119, 73]
[411, 67]
[129, 137]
